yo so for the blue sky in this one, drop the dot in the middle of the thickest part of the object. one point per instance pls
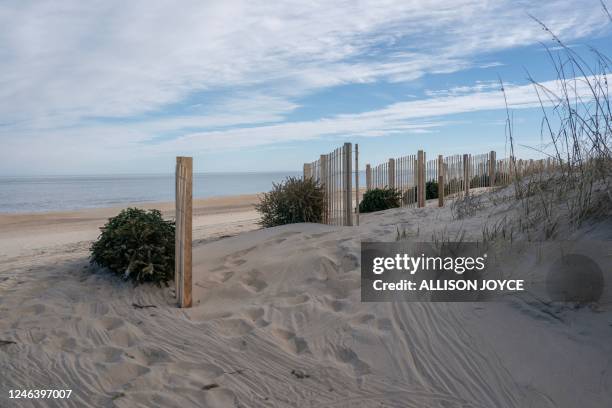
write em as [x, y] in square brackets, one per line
[123, 87]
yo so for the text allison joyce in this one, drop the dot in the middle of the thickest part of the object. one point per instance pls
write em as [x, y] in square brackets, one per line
[512, 285]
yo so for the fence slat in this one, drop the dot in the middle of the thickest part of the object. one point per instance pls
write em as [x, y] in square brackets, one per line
[348, 175]
[466, 174]
[356, 184]
[440, 181]
[421, 178]
[391, 173]
[492, 169]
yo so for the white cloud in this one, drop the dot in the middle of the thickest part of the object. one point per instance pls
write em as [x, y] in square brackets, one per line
[76, 59]
[117, 144]
[414, 116]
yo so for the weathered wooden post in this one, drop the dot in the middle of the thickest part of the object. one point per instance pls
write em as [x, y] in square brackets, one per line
[348, 175]
[391, 173]
[183, 233]
[356, 184]
[440, 181]
[368, 177]
[323, 181]
[492, 169]
[466, 174]
[421, 179]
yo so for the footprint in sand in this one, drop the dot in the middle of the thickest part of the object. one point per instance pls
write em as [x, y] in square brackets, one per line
[111, 323]
[125, 337]
[233, 327]
[256, 315]
[282, 237]
[347, 355]
[121, 372]
[363, 319]
[120, 333]
[318, 235]
[349, 262]
[197, 373]
[289, 341]
[335, 304]
[149, 355]
[221, 397]
[239, 254]
[36, 309]
[226, 276]
[107, 354]
[384, 324]
[253, 282]
[69, 344]
[296, 300]
[239, 262]
[91, 309]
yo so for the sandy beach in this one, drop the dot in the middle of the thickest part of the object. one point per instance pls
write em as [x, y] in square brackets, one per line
[401, 204]
[25, 236]
[278, 322]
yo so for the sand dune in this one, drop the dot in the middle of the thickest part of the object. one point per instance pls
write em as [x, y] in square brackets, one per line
[278, 322]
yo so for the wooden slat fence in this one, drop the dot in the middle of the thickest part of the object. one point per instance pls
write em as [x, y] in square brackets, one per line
[413, 175]
[334, 171]
[452, 175]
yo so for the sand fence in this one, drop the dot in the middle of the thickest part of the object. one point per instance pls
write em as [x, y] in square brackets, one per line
[417, 178]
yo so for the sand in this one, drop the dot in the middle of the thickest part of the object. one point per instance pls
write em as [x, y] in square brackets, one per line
[278, 322]
[25, 235]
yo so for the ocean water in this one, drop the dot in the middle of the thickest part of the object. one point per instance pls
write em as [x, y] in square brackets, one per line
[57, 193]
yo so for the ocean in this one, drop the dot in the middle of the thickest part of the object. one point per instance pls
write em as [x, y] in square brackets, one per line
[58, 193]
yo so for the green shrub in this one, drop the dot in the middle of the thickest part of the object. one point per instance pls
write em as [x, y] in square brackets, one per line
[291, 201]
[431, 190]
[379, 199]
[138, 245]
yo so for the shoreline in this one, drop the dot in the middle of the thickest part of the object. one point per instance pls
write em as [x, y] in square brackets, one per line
[164, 205]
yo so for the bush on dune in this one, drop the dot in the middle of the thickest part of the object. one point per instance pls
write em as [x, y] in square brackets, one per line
[138, 245]
[379, 199]
[291, 201]
[431, 190]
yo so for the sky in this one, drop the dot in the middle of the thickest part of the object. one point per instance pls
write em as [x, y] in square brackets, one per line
[106, 87]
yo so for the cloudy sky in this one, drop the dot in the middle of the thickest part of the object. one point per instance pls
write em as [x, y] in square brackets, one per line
[123, 87]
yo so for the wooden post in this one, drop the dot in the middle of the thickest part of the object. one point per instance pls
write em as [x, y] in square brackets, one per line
[183, 233]
[391, 173]
[492, 169]
[440, 181]
[347, 174]
[368, 177]
[356, 184]
[323, 182]
[466, 173]
[421, 179]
